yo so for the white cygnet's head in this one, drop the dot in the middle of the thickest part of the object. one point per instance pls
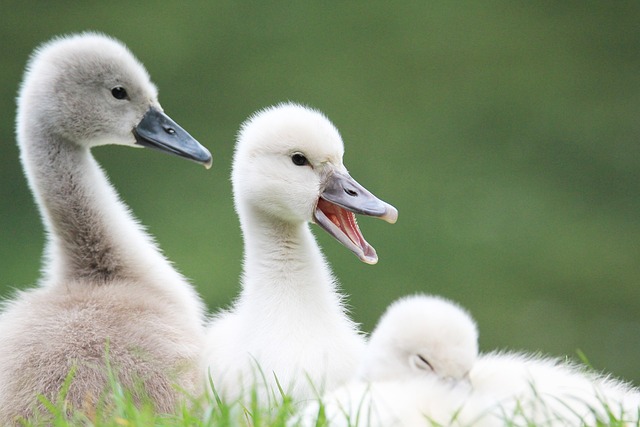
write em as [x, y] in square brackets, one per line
[420, 335]
[288, 168]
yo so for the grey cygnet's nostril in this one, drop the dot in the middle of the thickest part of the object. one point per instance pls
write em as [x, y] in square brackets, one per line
[350, 192]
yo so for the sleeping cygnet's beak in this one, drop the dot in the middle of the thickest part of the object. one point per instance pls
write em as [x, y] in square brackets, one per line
[341, 197]
[159, 131]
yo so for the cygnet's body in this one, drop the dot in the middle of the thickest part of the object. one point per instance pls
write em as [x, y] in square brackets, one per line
[420, 335]
[107, 292]
[396, 389]
[547, 391]
[289, 327]
[503, 389]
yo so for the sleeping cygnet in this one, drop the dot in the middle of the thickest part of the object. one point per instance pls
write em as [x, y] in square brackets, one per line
[420, 335]
[415, 371]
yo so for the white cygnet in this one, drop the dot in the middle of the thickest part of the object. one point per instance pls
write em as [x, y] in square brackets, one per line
[420, 335]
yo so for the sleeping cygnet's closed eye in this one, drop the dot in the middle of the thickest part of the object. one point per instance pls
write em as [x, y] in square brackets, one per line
[421, 363]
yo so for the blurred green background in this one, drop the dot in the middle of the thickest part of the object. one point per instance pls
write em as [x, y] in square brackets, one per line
[506, 133]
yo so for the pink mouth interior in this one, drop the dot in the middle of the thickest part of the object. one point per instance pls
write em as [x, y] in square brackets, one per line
[346, 222]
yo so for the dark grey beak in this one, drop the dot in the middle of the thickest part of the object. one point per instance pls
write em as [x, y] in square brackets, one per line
[157, 130]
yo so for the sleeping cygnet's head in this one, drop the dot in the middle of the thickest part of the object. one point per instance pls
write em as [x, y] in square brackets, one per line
[420, 335]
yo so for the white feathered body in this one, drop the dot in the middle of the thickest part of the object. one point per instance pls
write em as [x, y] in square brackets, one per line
[288, 323]
[504, 389]
[552, 392]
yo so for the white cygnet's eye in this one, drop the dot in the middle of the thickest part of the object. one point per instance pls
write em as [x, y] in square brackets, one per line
[299, 159]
